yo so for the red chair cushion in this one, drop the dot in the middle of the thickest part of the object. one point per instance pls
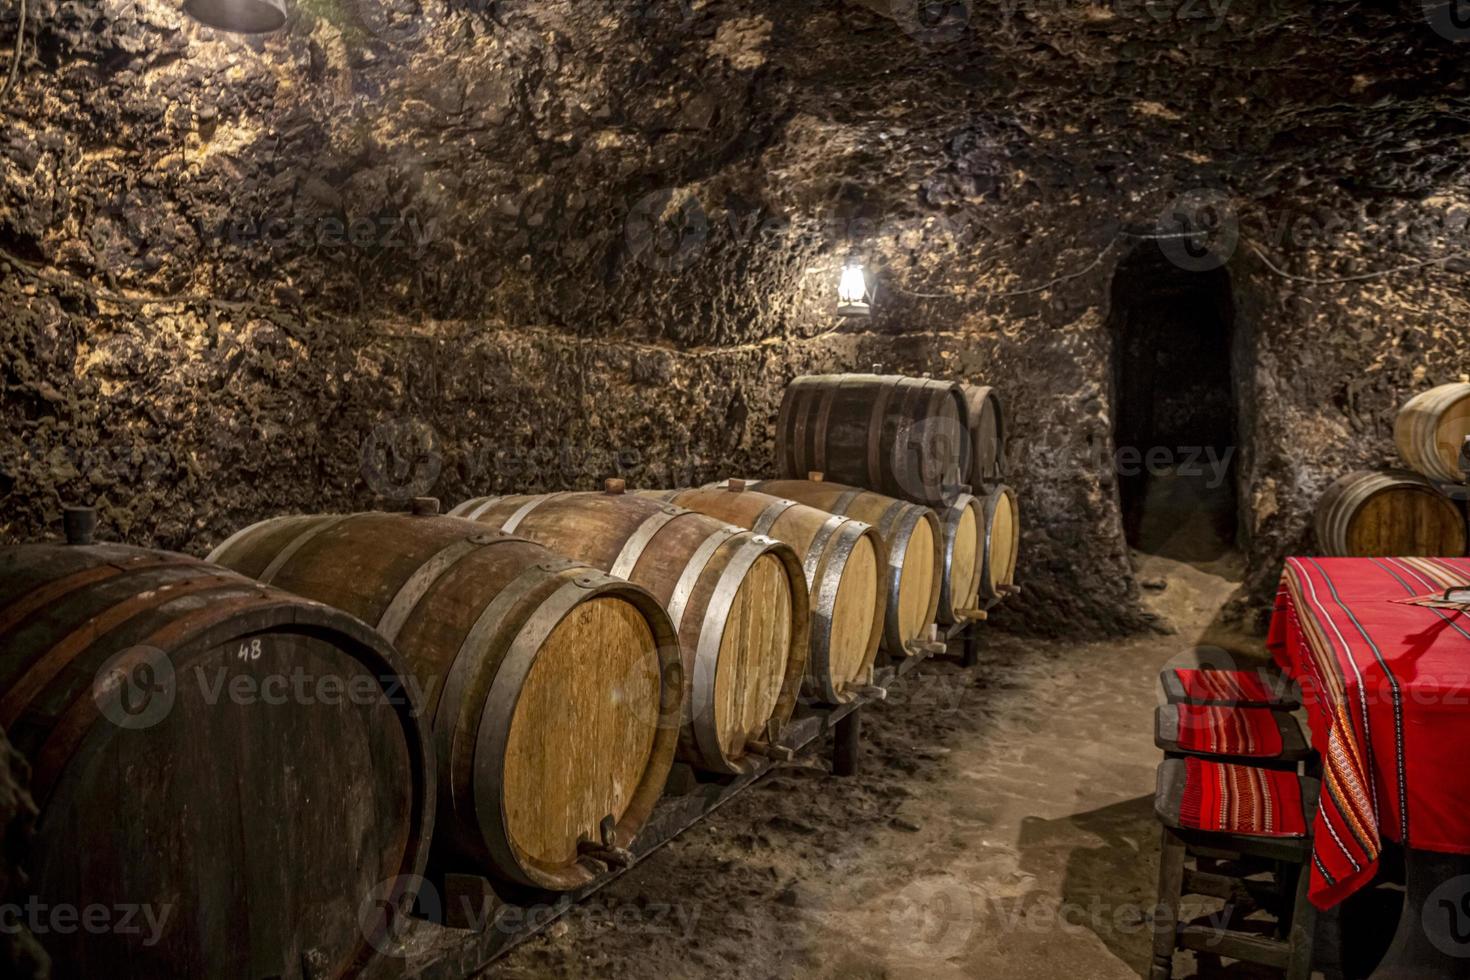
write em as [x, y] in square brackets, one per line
[1223, 730]
[1225, 686]
[1223, 798]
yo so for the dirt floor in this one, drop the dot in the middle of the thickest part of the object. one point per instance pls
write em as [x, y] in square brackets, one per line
[1001, 826]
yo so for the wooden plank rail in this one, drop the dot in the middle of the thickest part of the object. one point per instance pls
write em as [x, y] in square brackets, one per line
[480, 927]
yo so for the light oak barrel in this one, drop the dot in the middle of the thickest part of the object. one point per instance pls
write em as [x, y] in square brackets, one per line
[913, 539]
[986, 423]
[178, 770]
[1002, 544]
[1431, 431]
[904, 437]
[1396, 514]
[738, 601]
[556, 689]
[964, 538]
[843, 560]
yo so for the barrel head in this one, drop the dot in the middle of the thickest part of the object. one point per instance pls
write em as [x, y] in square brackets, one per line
[230, 812]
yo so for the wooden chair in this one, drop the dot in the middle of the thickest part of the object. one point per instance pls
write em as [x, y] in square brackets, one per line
[1251, 866]
[1246, 736]
[1257, 687]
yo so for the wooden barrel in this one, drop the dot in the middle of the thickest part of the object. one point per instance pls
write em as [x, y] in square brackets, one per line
[19, 950]
[843, 560]
[904, 437]
[986, 423]
[242, 768]
[1431, 431]
[963, 538]
[910, 533]
[557, 688]
[738, 601]
[1396, 514]
[1002, 544]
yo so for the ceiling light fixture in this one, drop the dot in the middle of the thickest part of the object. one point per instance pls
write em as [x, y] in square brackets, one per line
[239, 16]
[853, 296]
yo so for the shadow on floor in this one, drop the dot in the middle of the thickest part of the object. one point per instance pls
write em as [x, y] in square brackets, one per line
[1110, 887]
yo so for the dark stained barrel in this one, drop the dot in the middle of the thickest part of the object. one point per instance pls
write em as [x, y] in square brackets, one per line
[844, 562]
[738, 600]
[243, 768]
[903, 437]
[19, 951]
[557, 688]
[1396, 514]
[986, 422]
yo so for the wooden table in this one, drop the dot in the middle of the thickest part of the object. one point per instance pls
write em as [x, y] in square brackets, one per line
[1386, 685]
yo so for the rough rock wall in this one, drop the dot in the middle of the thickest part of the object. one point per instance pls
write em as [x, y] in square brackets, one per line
[467, 246]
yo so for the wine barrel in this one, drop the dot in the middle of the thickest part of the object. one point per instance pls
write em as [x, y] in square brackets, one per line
[963, 535]
[904, 437]
[19, 950]
[242, 768]
[738, 601]
[843, 560]
[910, 533]
[1431, 431]
[1395, 514]
[986, 423]
[1002, 544]
[558, 688]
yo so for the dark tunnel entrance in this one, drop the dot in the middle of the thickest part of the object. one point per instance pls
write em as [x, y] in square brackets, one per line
[1175, 425]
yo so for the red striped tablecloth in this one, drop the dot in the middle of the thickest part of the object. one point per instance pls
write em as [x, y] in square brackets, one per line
[1386, 685]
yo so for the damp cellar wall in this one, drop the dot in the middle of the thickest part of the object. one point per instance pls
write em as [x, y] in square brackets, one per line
[521, 247]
